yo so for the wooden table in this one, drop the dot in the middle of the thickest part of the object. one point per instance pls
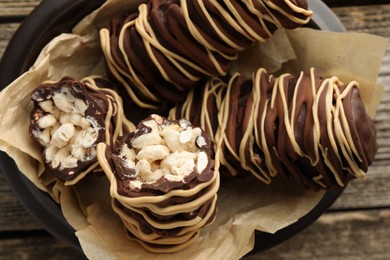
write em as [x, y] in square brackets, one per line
[356, 227]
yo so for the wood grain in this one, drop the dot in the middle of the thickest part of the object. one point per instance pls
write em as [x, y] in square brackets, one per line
[341, 235]
[10, 8]
[37, 246]
[334, 3]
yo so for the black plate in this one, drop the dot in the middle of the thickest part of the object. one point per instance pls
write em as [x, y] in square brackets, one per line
[53, 17]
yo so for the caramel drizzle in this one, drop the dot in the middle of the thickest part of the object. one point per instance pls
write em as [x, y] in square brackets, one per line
[328, 93]
[230, 14]
[150, 39]
[115, 122]
[118, 72]
[115, 114]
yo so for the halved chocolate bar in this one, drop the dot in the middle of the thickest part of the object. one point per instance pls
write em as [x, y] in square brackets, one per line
[163, 181]
[69, 119]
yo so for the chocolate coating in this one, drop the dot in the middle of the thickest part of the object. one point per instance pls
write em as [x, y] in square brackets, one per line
[97, 115]
[362, 128]
[148, 228]
[124, 174]
[163, 182]
[313, 130]
[97, 107]
[170, 46]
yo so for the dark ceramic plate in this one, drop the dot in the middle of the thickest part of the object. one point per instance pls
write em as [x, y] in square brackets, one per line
[53, 17]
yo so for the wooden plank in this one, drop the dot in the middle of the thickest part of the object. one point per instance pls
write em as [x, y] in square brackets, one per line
[37, 246]
[10, 8]
[373, 19]
[345, 235]
[354, 2]
[372, 192]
